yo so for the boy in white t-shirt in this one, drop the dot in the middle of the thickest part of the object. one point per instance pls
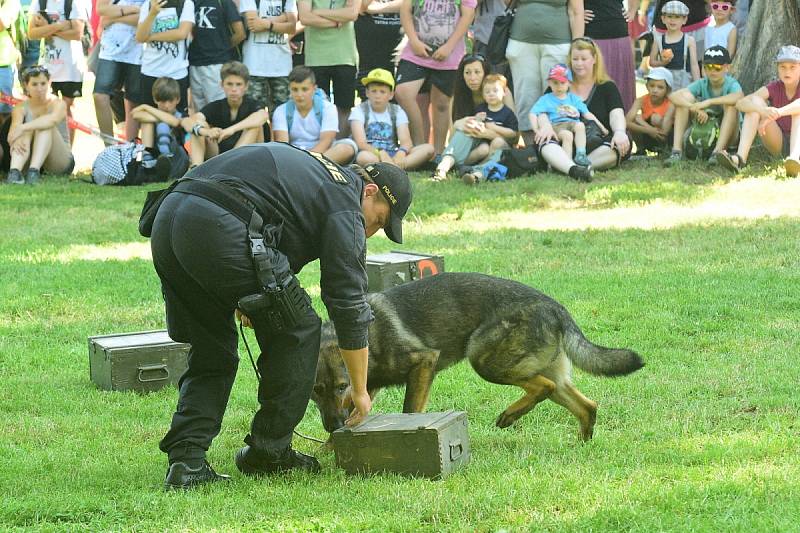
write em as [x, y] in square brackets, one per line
[383, 134]
[164, 26]
[309, 121]
[266, 52]
[63, 54]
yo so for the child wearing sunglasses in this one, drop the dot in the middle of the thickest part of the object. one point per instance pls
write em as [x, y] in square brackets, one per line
[710, 102]
[722, 32]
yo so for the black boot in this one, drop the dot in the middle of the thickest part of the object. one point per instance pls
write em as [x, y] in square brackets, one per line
[253, 462]
[182, 476]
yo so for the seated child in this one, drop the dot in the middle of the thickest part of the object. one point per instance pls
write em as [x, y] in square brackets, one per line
[38, 137]
[482, 137]
[309, 121]
[564, 110]
[721, 32]
[380, 128]
[674, 49]
[773, 113]
[650, 118]
[712, 98]
[161, 130]
[233, 121]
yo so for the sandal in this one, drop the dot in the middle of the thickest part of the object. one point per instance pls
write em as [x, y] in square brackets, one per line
[792, 167]
[438, 175]
[732, 162]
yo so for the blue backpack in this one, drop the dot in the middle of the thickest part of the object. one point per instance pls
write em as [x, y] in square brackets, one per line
[318, 105]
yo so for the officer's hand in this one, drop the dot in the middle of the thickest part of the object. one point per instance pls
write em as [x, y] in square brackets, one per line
[244, 319]
[361, 403]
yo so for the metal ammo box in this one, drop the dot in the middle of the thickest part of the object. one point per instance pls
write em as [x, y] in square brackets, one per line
[143, 362]
[395, 268]
[430, 445]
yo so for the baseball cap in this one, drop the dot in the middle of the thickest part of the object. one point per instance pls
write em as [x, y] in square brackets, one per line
[560, 72]
[675, 7]
[660, 73]
[378, 75]
[717, 55]
[788, 54]
[395, 186]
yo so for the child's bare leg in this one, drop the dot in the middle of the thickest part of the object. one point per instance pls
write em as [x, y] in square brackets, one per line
[365, 157]
[418, 156]
[566, 137]
[42, 142]
[69, 101]
[727, 129]
[679, 127]
[198, 145]
[579, 131]
[131, 124]
[477, 154]
[406, 95]
[248, 136]
[441, 117]
[59, 156]
[147, 134]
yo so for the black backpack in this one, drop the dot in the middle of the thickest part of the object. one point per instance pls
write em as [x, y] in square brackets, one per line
[520, 161]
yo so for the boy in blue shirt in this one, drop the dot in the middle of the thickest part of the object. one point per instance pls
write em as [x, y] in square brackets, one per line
[565, 110]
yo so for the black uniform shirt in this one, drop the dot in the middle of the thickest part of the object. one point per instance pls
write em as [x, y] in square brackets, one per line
[319, 204]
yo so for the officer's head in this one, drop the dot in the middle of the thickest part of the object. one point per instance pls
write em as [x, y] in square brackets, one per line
[386, 198]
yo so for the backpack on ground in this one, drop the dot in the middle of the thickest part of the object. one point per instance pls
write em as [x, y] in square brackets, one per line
[119, 164]
[700, 139]
[520, 161]
[318, 104]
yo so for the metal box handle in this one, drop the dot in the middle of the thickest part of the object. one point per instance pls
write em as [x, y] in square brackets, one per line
[153, 368]
[456, 449]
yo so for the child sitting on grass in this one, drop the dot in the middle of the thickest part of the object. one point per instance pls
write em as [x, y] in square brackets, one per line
[233, 121]
[772, 113]
[650, 118]
[709, 99]
[380, 128]
[564, 109]
[486, 133]
[161, 131]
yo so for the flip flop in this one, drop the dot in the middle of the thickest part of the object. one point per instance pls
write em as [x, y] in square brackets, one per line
[792, 167]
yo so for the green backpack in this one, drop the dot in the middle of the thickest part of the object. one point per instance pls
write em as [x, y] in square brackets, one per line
[700, 139]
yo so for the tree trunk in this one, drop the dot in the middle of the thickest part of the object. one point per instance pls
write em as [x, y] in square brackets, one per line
[770, 25]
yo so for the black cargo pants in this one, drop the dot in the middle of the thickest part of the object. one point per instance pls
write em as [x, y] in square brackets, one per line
[200, 252]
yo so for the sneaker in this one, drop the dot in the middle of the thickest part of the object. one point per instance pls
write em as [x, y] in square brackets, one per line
[438, 175]
[580, 173]
[792, 167]
[734, 162]
[582, 160]
[253, 462]
[15, 177]
[33, 176]
[472, 177]
[163, 167]
[182, 476]
[674, 158]
[712, 160]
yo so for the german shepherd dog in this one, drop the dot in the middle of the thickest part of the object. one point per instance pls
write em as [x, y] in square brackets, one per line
[512, 334]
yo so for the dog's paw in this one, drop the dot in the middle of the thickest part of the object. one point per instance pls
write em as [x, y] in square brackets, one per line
[505, 419]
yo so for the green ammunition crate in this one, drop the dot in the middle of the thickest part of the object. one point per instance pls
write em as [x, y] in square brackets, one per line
[384, 271]
[431, 445]
[143, 362]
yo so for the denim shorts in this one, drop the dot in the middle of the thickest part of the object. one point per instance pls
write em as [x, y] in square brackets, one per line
[113, 75]
[6, 85]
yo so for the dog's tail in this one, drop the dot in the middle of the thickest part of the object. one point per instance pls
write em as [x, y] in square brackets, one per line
[596, 359]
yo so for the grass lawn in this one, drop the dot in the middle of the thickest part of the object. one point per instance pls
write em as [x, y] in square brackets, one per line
[697, 272]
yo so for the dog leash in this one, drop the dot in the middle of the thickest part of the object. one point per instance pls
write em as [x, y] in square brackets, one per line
[258, 376]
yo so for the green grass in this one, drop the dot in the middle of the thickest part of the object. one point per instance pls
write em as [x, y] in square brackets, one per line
[704, 438]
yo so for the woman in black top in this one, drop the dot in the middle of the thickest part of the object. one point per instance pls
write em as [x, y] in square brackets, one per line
[592, 84]
[607, 25]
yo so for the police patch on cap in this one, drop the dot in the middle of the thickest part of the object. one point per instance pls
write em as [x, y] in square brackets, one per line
[395, 186]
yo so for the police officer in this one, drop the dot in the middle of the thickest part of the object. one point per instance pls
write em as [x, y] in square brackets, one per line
[230, 239]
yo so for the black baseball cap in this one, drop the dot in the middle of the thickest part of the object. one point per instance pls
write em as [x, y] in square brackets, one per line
[717, 55]
[395, 186]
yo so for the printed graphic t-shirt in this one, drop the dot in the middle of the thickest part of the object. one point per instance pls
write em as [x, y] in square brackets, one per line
[64, 59]
[211, 41]
[162, 58]
[380, 133]
[568, 109]
[118, 42]
[267, 53]
[435, 21]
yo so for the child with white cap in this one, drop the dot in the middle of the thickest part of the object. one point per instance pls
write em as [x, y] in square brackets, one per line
[675, 50]
[772, 113]
[650, 118]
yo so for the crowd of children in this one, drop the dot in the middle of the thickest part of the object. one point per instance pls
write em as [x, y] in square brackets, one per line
[175, 65]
